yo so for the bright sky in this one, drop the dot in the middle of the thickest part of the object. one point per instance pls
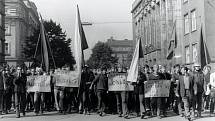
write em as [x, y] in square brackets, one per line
[100, 12]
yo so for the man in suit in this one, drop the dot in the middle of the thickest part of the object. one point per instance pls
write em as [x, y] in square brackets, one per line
[20, 91]
[185, 89]
[200, 83]
[2, 86]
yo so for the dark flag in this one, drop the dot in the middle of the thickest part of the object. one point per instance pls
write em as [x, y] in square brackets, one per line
[84, 44]
[204, 54]
[173, 43]
[141, 55]
[45, 55]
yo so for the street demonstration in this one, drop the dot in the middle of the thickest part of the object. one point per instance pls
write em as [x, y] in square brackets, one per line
[166, 72]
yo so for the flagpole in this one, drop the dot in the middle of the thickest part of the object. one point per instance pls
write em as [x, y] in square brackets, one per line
[49, 46]
[35, 53]
[42, 61]
[204, 43]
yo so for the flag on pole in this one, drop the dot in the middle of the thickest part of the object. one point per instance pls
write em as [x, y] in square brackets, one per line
[45, 55]
[84, 44]
[133, 70]
[173, 43]
[205, 57]
[80, 44]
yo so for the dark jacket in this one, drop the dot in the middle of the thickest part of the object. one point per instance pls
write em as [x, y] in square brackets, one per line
[139, 86]
[8, 80]
[181, 87]
[1, 82]
[101, 82]
[199, 81]
[159, 76]
[167, 76]
[20, 83]
[86, 80]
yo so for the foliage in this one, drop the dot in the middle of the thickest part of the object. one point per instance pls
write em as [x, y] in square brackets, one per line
[101, 57]
[59, 46]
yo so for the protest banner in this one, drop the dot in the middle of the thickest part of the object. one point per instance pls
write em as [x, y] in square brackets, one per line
[38, 83]
[118, 82]
[157, 88]
[67, 79]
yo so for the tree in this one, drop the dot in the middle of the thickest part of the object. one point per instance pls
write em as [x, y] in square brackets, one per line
[60, 46]
[102, 56]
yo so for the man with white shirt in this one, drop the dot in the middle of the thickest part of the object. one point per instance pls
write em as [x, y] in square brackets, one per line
[212, 93]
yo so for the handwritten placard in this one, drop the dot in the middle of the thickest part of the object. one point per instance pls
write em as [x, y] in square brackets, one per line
[67, 79]
[38, 83]
[117, 82]
[157, 88]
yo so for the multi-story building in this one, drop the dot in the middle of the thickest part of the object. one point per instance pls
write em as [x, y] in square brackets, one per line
[123, 50]
[198, 15]
[20, 22]
[154, 22]
[2, 30]
[158, 23]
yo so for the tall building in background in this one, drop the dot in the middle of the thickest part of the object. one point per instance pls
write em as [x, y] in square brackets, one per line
[123, 50]
[154, 22]
[2, 31]
[198, 15]
[20, 22]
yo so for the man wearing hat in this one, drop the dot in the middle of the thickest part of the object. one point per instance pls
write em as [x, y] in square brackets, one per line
[199, 87]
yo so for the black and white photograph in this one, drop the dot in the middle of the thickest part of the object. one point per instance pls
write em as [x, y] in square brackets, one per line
[107, 60]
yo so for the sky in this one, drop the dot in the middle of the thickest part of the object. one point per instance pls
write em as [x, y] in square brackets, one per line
[109, 18]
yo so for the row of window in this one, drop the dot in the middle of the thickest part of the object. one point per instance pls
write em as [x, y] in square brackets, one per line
[187, 21]
[194, 54]
[10, 11]
[6, 49]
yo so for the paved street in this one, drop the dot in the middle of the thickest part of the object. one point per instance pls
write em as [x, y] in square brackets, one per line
[53, 116]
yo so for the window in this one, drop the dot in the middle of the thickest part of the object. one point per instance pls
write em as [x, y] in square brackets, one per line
[7, 28]
[7, 49]
[193, 20]
[11, 11]
[1, 19]
[186, 24]
[195, 53]
[187, 54]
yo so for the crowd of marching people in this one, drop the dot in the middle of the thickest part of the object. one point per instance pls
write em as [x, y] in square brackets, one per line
[192, 91]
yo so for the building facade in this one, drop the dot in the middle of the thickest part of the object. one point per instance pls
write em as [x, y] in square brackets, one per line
[198, 15]
[158, 23]
[2, 31]
[154, 22]
[20, 22]
[123, 50]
